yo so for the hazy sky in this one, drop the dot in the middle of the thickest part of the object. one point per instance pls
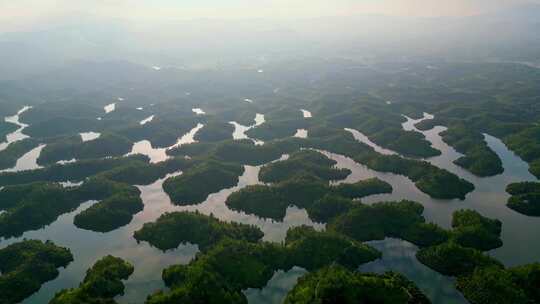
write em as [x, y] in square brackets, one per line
[24, 13]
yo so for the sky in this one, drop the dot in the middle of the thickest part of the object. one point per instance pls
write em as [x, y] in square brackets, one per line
[28, 13]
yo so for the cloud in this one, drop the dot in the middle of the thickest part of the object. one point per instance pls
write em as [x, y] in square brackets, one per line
[26, 13]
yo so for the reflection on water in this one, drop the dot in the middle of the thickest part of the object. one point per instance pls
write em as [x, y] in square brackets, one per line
[109, 108]
[362, 138]
[17, 134]
[399, 256]
[301, 133]
[157, 155]
[87, 247]
[240, 130]
[519, 234]
[198, 111]
[28, 161]
[277, 288]
[88, 136]
[306, 113]
[273, 230]
[146, 120]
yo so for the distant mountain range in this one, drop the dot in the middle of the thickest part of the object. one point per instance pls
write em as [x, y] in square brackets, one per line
[510, 35]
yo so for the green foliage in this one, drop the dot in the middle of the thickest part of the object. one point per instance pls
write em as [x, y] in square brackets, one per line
[73, 171]
[275, 129]
[172, 229]
[479, 158]
[271, 201]
[335, 284]
[525, 198]
[33, 206]
[141, 173]
[305, 162]
[452, 259]
[363, 188]
[329, 207]
[526, 144]
[476, 231]
[220, 274]
[312, 250]
[215, 131]
[491, 285]
[28, 264]
[196, 183]
[39, 206]
[436, 182]
[109, 214]
[9, 156]
[384, 128]
[107, 144]
[100, 285]
[388, 219]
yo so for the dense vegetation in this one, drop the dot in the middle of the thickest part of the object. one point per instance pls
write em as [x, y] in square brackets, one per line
[219, 274]
[478, 158]
[196, 183]
[24, 266]
[525, 198]
[215, 131]
[33, 206]
[112, 212]
[75, 148]
[77, 171]
[436, 182]
[336, 284]
[305, 162]
[384, 128]
[278, 128]
[271, 201]
[101, 284]
[476, 231]
[388, 219]
[172, 229]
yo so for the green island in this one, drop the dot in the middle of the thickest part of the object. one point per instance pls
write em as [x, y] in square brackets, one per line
[26, 265]
[384, 128]
[160, 132]
[301, 163]
[432, 180]
[526, 144]
[278, 128]
[478, 157]
[215, 130]
[76, 171]
[234, 265]
[271, 201]
[33, 206]
[453, 260]
[9, 156]
[239, 151]
[525, 198]
[197, 182]
[335, 284]
[102, 283]
[106, 145]
[402, 220]
[111, 213]
[471, 229]
[172, 229]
